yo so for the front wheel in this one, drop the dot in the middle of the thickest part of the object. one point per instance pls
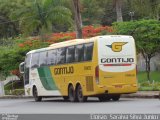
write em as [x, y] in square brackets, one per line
[35, 95]
[79, 94]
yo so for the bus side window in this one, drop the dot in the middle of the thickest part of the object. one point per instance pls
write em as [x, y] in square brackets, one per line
[70, 54]
[42, 59]
[88, 51]
[35, 60]
[51, 59]
[79, 53]
[61, 55]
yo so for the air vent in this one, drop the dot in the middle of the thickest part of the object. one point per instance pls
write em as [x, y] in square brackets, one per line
[89, 83]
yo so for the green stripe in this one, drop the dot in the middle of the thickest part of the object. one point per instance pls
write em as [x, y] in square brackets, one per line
[46, 78]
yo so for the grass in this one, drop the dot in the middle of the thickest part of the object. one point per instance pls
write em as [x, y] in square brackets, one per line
[152, 85]
[155, 76]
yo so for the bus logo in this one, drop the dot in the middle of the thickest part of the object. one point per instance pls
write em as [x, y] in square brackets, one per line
[116, 46]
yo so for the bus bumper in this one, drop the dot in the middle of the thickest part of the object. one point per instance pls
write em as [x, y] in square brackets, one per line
[117, 89]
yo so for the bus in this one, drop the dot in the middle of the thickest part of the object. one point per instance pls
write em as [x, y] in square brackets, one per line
[101, 66]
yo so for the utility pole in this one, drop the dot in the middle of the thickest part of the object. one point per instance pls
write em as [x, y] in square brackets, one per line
[131, 14]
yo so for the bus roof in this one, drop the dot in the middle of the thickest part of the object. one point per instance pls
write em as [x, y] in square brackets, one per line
[72, 42]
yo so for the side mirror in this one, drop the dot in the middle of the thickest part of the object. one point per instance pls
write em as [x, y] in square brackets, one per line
[21, 68]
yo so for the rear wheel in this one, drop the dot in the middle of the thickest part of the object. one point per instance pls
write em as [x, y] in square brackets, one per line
[79, 94]
[35, 95]
[71, 94]
[104, 98]
[65, 98]
[115, 97]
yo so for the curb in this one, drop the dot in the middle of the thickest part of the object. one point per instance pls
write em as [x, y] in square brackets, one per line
[141, 96]
[15, 97]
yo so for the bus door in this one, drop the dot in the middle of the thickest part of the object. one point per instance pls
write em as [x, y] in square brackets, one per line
[26, 74]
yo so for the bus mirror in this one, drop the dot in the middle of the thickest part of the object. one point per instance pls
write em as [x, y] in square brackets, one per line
[21, 68]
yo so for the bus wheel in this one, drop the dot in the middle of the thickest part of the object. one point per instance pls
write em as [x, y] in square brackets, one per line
[79, 94]
[71, 94]
[115, 97]
[104, 98]
[35, 95]
[65, 98]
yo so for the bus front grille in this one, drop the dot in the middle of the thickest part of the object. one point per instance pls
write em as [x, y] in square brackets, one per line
[89, 83]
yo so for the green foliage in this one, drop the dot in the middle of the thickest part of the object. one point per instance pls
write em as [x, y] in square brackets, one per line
[12, 56]
[92, 12]
[146, 8]
[145, 32]
[147, 36]
[10, 59]
[38, 16]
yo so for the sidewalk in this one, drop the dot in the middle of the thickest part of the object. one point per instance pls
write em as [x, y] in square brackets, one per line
[143, 94]
[139, 94]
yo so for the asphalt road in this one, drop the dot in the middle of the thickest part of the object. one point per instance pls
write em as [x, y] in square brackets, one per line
[58, 105]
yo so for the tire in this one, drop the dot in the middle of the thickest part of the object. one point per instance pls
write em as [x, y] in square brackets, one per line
[35, 95]
[65, 98]
[115, 97]
[71, 94]
[104, 98]
[79, 94]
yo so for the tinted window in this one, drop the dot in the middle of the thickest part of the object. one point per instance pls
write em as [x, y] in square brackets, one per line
[27, 60]
[70, 54]
[79, 53]
[61, 55]
[51, 59]
[88, 50]
[35, 60]
[26, 69]
[42, 59]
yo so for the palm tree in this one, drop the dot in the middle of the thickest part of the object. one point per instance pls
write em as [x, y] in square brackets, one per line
[38, 16]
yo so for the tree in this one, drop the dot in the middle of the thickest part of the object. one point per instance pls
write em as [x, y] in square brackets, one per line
[77, 18]
[8, 27]
[147, 36]
[92, 12]
[38, 16]
[146, 8]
